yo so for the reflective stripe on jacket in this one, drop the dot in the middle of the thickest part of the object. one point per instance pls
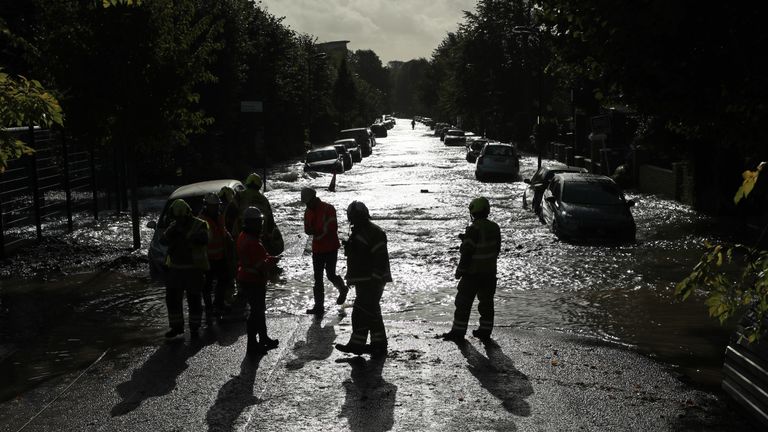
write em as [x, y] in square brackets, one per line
[480, 248]
[367, 255]
[320, 221]
[187, 245]
[253, 260]
[217, 235]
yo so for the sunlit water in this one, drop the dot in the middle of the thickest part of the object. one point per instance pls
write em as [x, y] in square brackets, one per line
[417, 190]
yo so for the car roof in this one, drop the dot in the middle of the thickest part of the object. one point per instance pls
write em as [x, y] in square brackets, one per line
[202, 188]
[318, 149]
[354, 130]
[585, 178]
[564, 168]
[342, 141]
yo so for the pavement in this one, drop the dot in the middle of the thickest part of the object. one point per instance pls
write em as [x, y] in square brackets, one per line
[423, 384]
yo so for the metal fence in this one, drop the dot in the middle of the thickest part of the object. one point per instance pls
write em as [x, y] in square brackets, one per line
[41, 192]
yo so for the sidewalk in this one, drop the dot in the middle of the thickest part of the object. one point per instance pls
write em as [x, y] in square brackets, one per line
[424, 384]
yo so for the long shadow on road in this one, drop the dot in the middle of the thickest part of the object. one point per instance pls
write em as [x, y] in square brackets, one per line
[317, 346]
[158, 375]
[497, 374]
[234, 397]
[370, 401]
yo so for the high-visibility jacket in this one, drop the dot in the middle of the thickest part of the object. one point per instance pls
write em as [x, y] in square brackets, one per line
[254, 263]
[217, 236]
[367, 255]
[320, 222]
[480, 248]
[187, 244]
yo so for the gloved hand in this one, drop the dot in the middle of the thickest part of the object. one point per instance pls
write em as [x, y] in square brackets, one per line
[459, 274]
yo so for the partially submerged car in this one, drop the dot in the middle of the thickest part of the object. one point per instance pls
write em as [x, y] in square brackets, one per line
[346, 158]
[539, 183]
[379, 130]
[193, 194]
[352, 148]
[474, 147]
[454, 137]
[363, 138]
[324, 159]
[499, 160]
[587, 206]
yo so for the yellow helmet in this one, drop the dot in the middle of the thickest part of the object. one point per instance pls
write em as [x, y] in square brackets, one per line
[479, 205]
[253, 181]
[180, 208]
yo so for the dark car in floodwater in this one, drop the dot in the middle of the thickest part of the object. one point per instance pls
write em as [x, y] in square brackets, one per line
[379, 130]
[324, 159]
[346, 157]
[474, 147]
[539, 183]
[352, 148]
[587, 206]
[454, 137]
[362, 136]
[193, 194]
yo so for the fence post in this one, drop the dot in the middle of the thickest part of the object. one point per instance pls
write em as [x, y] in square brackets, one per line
[2, 230]
[35, 185]
[93, 183]
[67, 189]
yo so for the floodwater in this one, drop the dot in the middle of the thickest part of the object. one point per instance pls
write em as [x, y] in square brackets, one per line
[417, 190]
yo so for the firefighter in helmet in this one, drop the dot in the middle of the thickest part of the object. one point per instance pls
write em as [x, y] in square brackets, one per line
[480, 248]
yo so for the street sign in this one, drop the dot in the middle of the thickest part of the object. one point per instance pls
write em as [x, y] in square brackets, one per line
[251, 106]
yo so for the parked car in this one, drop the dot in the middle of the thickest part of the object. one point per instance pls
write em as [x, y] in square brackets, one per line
[352, 148]
[362, 137]
[193, 194]
[454, 137]
[324, 159]
[346, 158]
[539, 182]
[474, 147]
[588, 206]
[440, 128]
[497, 160]
[379, 130]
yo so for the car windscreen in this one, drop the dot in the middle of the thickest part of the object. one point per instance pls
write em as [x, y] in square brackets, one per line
[498, 151]
[455, 133]
[595, 193]
[322, 155]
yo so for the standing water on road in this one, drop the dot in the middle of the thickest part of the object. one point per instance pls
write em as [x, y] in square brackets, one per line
[417, 190]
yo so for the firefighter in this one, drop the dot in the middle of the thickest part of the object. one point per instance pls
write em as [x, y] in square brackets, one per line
[252, 197]
[230, 212]
[219, 272]
[187, 262]
[480, 248]
[368, 271]
[253, 271]
[320, 222]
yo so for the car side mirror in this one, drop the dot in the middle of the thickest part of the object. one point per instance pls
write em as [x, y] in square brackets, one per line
[152, 225]
[550, 199]
[631, 203]
[527, 181]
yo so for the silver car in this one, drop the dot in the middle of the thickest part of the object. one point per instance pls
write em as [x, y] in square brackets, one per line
[497, 160]
[193, 194]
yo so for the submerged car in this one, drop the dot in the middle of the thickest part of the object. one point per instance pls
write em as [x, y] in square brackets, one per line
[352, 148]
[474, 147]
[193, 194]
[539, 183]
[587, 206]
[324, 159]
[362, 136]
[379, 130]
[454, 137]
[346, 158]
[498, 160]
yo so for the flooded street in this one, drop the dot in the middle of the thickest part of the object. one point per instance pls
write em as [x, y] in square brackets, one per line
[417, 190]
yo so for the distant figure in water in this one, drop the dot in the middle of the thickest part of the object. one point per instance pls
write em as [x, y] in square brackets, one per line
[413, 124]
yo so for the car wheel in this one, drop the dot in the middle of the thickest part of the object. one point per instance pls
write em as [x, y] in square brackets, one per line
[557, 232]
[479, 176]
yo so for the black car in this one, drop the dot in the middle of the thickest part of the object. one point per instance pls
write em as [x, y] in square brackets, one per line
[474, 147]
[362, 136]
[379, 130]
[587, 206]
[346, 157]
[539, 182]
[324, 159]
[352, 148]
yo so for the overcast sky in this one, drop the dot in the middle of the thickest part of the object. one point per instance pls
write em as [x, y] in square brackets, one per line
[394, 29]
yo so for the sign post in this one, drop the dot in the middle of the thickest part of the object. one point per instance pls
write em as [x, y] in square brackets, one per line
[257, 107]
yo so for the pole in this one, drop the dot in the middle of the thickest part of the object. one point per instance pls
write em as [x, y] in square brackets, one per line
[93, 185]
[540, 111]
[35, 185]
[67, 189]
[134, 198]
[2, 230]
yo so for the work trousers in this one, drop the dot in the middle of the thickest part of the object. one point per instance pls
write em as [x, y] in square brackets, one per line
[256, 295]
[178, 282]
[366, 314]
[325, 261]
[470, 286]
[220, 273]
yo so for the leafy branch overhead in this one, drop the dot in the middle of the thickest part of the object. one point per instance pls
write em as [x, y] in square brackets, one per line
[23, 102]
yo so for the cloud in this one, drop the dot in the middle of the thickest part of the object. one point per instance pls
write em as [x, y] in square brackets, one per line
[395, 30]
